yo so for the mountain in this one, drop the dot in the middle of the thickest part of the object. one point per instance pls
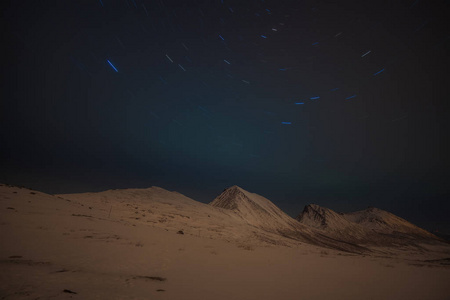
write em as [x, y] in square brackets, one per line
[369, 226]
[322, 218]
[261, 214]
[161, 208]
[254, 209]
[235, 215]
[330, 222]
[385, 222]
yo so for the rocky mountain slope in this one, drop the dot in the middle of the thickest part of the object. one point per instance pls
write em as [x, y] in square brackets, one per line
[367, 227]
[384, 222]
[261, 214]
[254, 209]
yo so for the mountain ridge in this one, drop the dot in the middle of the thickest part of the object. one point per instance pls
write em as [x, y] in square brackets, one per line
[315, 225]
[372, 225]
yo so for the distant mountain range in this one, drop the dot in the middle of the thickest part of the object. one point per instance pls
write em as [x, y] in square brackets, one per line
[371, 226]
[239, 215]
[323, 226]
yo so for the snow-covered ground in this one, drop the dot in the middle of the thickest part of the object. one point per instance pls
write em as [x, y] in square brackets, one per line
[156, 244]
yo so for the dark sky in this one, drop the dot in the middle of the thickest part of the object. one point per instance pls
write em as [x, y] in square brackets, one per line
[339, 103]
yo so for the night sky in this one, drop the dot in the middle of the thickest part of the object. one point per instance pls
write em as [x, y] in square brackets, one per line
[339, 103]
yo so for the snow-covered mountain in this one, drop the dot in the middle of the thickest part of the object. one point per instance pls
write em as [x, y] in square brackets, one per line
[370, 226]
[239, 215]
[261, 214]
[235, 215]
[161, 208]
[319, 217]
[254, 209]
[385, 222]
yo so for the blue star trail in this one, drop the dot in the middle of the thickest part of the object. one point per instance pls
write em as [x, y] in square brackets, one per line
[112, 66]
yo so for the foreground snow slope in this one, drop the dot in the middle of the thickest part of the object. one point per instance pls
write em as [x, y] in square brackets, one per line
[50, 244]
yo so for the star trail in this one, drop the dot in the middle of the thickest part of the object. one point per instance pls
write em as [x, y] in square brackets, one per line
[112, 66]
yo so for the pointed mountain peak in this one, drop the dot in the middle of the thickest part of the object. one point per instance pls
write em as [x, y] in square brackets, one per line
[234, 189]
[313, 207]
[373, 209]
[254, 209]
[317, 216]
[230, 197]
[317, 209]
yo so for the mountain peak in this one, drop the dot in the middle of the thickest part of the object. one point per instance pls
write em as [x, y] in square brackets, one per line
[234, 187]
[320, 217]
[383, 221]
[373, 209]
[254, 209]
[229, 198]
[312, 206]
